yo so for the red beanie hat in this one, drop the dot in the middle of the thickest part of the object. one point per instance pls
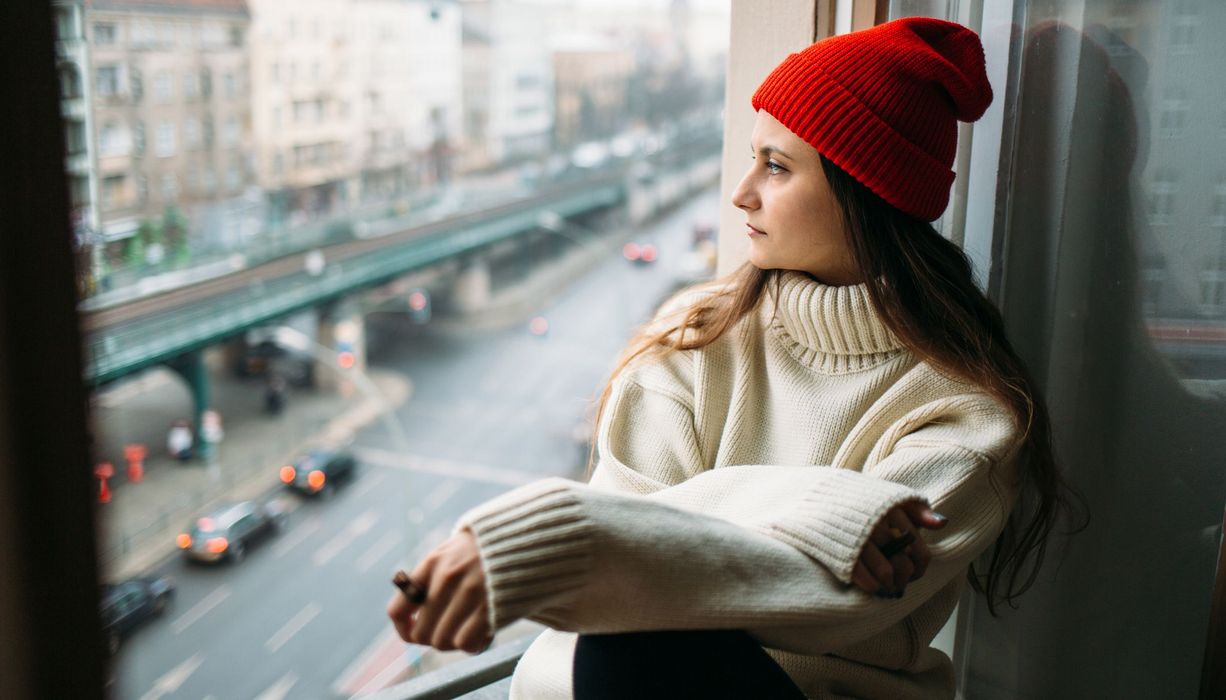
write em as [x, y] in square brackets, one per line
[883, 104]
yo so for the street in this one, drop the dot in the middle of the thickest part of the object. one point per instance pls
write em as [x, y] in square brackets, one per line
[302, 616]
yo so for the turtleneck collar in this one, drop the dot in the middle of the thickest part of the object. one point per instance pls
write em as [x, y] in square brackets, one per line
[831, 329]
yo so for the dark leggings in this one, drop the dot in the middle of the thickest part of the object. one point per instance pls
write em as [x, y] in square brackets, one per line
[676, 665]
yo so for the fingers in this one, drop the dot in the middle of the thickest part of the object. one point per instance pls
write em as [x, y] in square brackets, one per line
[401, 613]
[475, 636]
[863, 579]
[879, 567]
[461, 608]
[900, 526]
[922, 515]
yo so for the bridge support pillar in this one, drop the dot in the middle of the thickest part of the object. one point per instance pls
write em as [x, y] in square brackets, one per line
[471, 289]
[192, 368]
[342, 328]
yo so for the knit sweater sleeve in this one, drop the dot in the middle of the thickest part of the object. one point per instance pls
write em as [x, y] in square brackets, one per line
[665, 544]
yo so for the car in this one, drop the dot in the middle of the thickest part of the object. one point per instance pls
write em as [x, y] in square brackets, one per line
[319, 471]
[127, 605]
[269, 356]
[226, 532]
[640, 254]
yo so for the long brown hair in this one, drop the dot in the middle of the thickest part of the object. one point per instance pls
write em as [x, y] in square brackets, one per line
[923, 288]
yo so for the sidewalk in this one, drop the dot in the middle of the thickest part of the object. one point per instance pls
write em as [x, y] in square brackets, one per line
[137, 527]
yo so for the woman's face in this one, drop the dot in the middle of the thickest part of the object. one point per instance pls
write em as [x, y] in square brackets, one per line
[793, 220]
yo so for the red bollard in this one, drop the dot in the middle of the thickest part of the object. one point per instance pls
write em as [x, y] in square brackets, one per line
[135, 454]
[104, 471]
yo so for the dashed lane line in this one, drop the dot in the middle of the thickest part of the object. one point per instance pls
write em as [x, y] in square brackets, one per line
[294, 626]
[355, 529]
[378, 551]
[200, 609]
[278, 690]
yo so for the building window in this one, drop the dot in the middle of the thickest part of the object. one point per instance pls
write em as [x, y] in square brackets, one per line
[191, 85]
[1173, 117]
[163, 87]
[70, 81]
[229, 132]
[170, 187]
[230, 84]
[191, 133]
[1212, 292]
[1161, 199]
[74, 137]
[1152, 279]
[136, 84]
[104, 33]
[107, 81]
[113, 191]
[165, 140]
[113, 140]
[1217, 209]
[206, 82]
[1183, 28]
[236, 35]
[234, 178]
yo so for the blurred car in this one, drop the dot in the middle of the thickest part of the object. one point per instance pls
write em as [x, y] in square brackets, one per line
[319, 471]
[269, 356]
[227, 531]
[127, 605]
[640, 254]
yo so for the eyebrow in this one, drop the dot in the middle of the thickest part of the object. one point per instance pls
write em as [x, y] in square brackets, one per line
[769, 150]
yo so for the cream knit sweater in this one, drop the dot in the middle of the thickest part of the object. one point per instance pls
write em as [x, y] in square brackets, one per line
[735, 488]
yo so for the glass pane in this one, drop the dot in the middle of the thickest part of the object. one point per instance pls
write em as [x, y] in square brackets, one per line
[413, 233]
[1114, 256]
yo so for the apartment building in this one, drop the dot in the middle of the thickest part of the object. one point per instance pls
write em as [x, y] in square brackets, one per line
[171, 110]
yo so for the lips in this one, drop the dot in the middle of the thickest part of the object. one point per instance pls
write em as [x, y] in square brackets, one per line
[754, 231]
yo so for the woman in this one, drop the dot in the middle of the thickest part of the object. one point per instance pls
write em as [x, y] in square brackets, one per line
[771, 445]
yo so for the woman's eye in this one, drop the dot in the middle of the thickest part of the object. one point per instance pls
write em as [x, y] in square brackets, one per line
[774, 167]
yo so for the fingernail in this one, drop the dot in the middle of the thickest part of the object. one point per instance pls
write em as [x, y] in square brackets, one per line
[940, 518]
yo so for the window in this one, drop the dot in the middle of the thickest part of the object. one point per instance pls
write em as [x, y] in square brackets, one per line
[104, 33]
[1213, 292]
[229, 134]
[163, 87]
[136, 84]
[230, 84]
[74, 137]
[70, 81]
[191, 133]
[191, 85]
[106, 81]
[113, 140]
[165, 146]
[138, 138]
[1217, 207]
[169, 187]
[1173, 118]
[1162, 190]
[113, 194]
[206, 82]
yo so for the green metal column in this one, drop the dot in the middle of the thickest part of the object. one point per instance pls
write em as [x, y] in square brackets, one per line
[191, 367]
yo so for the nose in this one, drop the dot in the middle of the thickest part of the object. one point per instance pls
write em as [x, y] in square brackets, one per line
[745, 196]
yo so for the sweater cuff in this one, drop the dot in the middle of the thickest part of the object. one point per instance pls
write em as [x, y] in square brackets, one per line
[535, 544]
[834, 519]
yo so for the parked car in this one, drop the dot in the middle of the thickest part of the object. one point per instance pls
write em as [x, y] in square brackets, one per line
[640, 254]
[227, 531]
[270, 357]
[319, 471]
[127, 605]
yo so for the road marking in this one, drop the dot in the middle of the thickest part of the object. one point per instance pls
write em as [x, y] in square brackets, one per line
[355, 529]
[295, 624]
[377, 552]
[278, 690]
[200, 609]
[174, 678]
[369, 484]
[440, 494]
[385, 650]
[445, 467]
[296, 537]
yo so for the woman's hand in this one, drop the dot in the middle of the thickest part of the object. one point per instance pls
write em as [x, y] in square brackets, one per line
[454, 614]
[887, 574]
